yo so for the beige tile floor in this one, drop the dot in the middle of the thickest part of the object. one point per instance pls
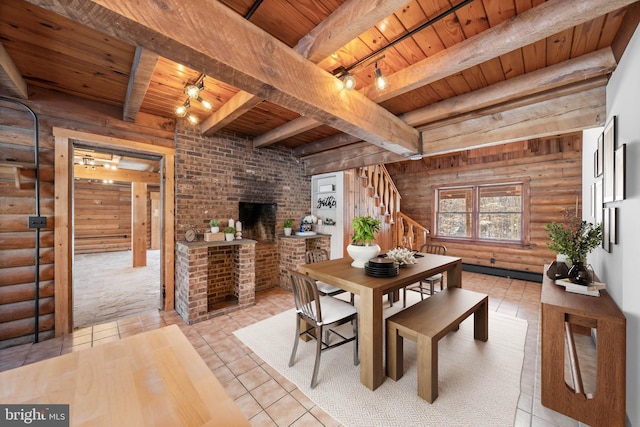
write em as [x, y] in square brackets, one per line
[265, 397]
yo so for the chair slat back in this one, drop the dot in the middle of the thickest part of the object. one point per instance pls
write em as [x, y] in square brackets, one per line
[316, 255]
[305, 294]
[433, 249]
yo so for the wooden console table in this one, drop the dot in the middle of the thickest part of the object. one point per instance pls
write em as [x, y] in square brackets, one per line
[561, 311]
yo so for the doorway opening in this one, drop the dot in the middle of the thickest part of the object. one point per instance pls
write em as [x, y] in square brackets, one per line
[110, 281]
[65, 139]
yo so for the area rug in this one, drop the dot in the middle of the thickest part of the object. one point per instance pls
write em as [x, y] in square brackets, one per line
[479, 383]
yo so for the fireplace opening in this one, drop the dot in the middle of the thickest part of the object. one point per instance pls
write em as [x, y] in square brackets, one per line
[258, 221]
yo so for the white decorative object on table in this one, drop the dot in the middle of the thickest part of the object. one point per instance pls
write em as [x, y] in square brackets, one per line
[402, 256]
[308, 221]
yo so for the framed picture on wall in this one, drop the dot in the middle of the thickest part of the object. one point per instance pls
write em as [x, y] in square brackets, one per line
[606, 229]
[620, 172]
[597, 168]
[597, 201]
[613, 225]
[609, 161]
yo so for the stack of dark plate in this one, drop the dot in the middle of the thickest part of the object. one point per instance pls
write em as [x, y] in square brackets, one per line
[381, 267]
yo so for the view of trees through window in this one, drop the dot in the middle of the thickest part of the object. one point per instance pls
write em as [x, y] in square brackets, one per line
[482, 212]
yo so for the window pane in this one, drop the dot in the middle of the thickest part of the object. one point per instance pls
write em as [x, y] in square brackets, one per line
[503, 198]
[455, 206]
[454, 224]
[500, 216]
[500, 226]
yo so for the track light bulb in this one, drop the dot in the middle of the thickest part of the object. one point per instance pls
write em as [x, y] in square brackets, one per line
[181, 110]
[192, 119]
[192, 91]
[206, 104]
[349, 82]
[380, 80]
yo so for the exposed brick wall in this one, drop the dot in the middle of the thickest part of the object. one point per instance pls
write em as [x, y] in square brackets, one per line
[292, 251]
[213, 174]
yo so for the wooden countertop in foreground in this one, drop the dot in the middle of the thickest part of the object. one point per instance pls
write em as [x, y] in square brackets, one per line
[153, 379]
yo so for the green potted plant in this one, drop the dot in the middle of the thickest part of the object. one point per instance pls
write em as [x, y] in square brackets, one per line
[288, 224]
[215, 225]
[229, 233]
[575, 239]
[362, 248]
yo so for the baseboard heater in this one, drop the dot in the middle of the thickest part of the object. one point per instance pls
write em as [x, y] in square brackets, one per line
[503, 272]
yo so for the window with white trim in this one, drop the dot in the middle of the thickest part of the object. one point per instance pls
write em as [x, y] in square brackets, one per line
[485, 212]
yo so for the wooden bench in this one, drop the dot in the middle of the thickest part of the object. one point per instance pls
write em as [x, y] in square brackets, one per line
[425, 323]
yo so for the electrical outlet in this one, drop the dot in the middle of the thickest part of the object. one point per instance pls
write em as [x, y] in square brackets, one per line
[37, 222]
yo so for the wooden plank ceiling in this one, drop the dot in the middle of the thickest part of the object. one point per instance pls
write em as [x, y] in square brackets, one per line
[489, 72]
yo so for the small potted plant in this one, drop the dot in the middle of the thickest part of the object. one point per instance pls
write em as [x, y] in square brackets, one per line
[229, 233]
[288, 224]
[575, 239]
[215, 225]
[362, 248]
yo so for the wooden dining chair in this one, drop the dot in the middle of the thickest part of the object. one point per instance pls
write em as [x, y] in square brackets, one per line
[427, 248]
[321, 313]
[319, 255]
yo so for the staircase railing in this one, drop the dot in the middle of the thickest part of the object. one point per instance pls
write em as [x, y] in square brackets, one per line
[409, 233]
[384, 199]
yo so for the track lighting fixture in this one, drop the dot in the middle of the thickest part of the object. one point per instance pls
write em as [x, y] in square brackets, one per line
[380, 80]
[193, 91]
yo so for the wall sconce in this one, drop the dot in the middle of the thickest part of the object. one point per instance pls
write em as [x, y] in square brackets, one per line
[380, 80]
[193, 91]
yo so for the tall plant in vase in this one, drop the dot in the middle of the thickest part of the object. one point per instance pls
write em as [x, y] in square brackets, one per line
[362, 248]
[575, 238]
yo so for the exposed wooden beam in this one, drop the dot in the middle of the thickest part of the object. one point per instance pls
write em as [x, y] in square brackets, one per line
[285, 131]
[535, 24]
[626, 31]
[347, 22]
[581, 106]
[10, 77]
[239, 104]
[580, 69]
[123, 175]
[581, 110]
[261, 64]
[565, 73]
[144, 63]
[324, 144]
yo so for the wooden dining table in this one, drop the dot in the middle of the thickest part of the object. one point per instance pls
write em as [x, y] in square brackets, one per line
[155, 378]
[371, 290]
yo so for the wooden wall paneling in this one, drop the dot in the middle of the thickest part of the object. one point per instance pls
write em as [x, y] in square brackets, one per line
[552, 166]
[139, 223]
[102, 217]
[168, 212]
[63, 235]
[154, 220]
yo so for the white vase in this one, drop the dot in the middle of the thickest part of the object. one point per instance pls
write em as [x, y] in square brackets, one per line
[228, 237]
[362, 254]
[287, 231]
[215, 229]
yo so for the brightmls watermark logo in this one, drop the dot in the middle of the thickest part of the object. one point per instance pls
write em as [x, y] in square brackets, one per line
[34, 415]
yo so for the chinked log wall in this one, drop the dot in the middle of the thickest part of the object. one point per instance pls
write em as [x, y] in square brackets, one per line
[17, 241]
[553, 167]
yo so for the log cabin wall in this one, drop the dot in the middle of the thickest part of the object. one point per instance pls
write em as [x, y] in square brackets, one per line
[17, 241]
[102, 216]
[552, 166]
[214, 174]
